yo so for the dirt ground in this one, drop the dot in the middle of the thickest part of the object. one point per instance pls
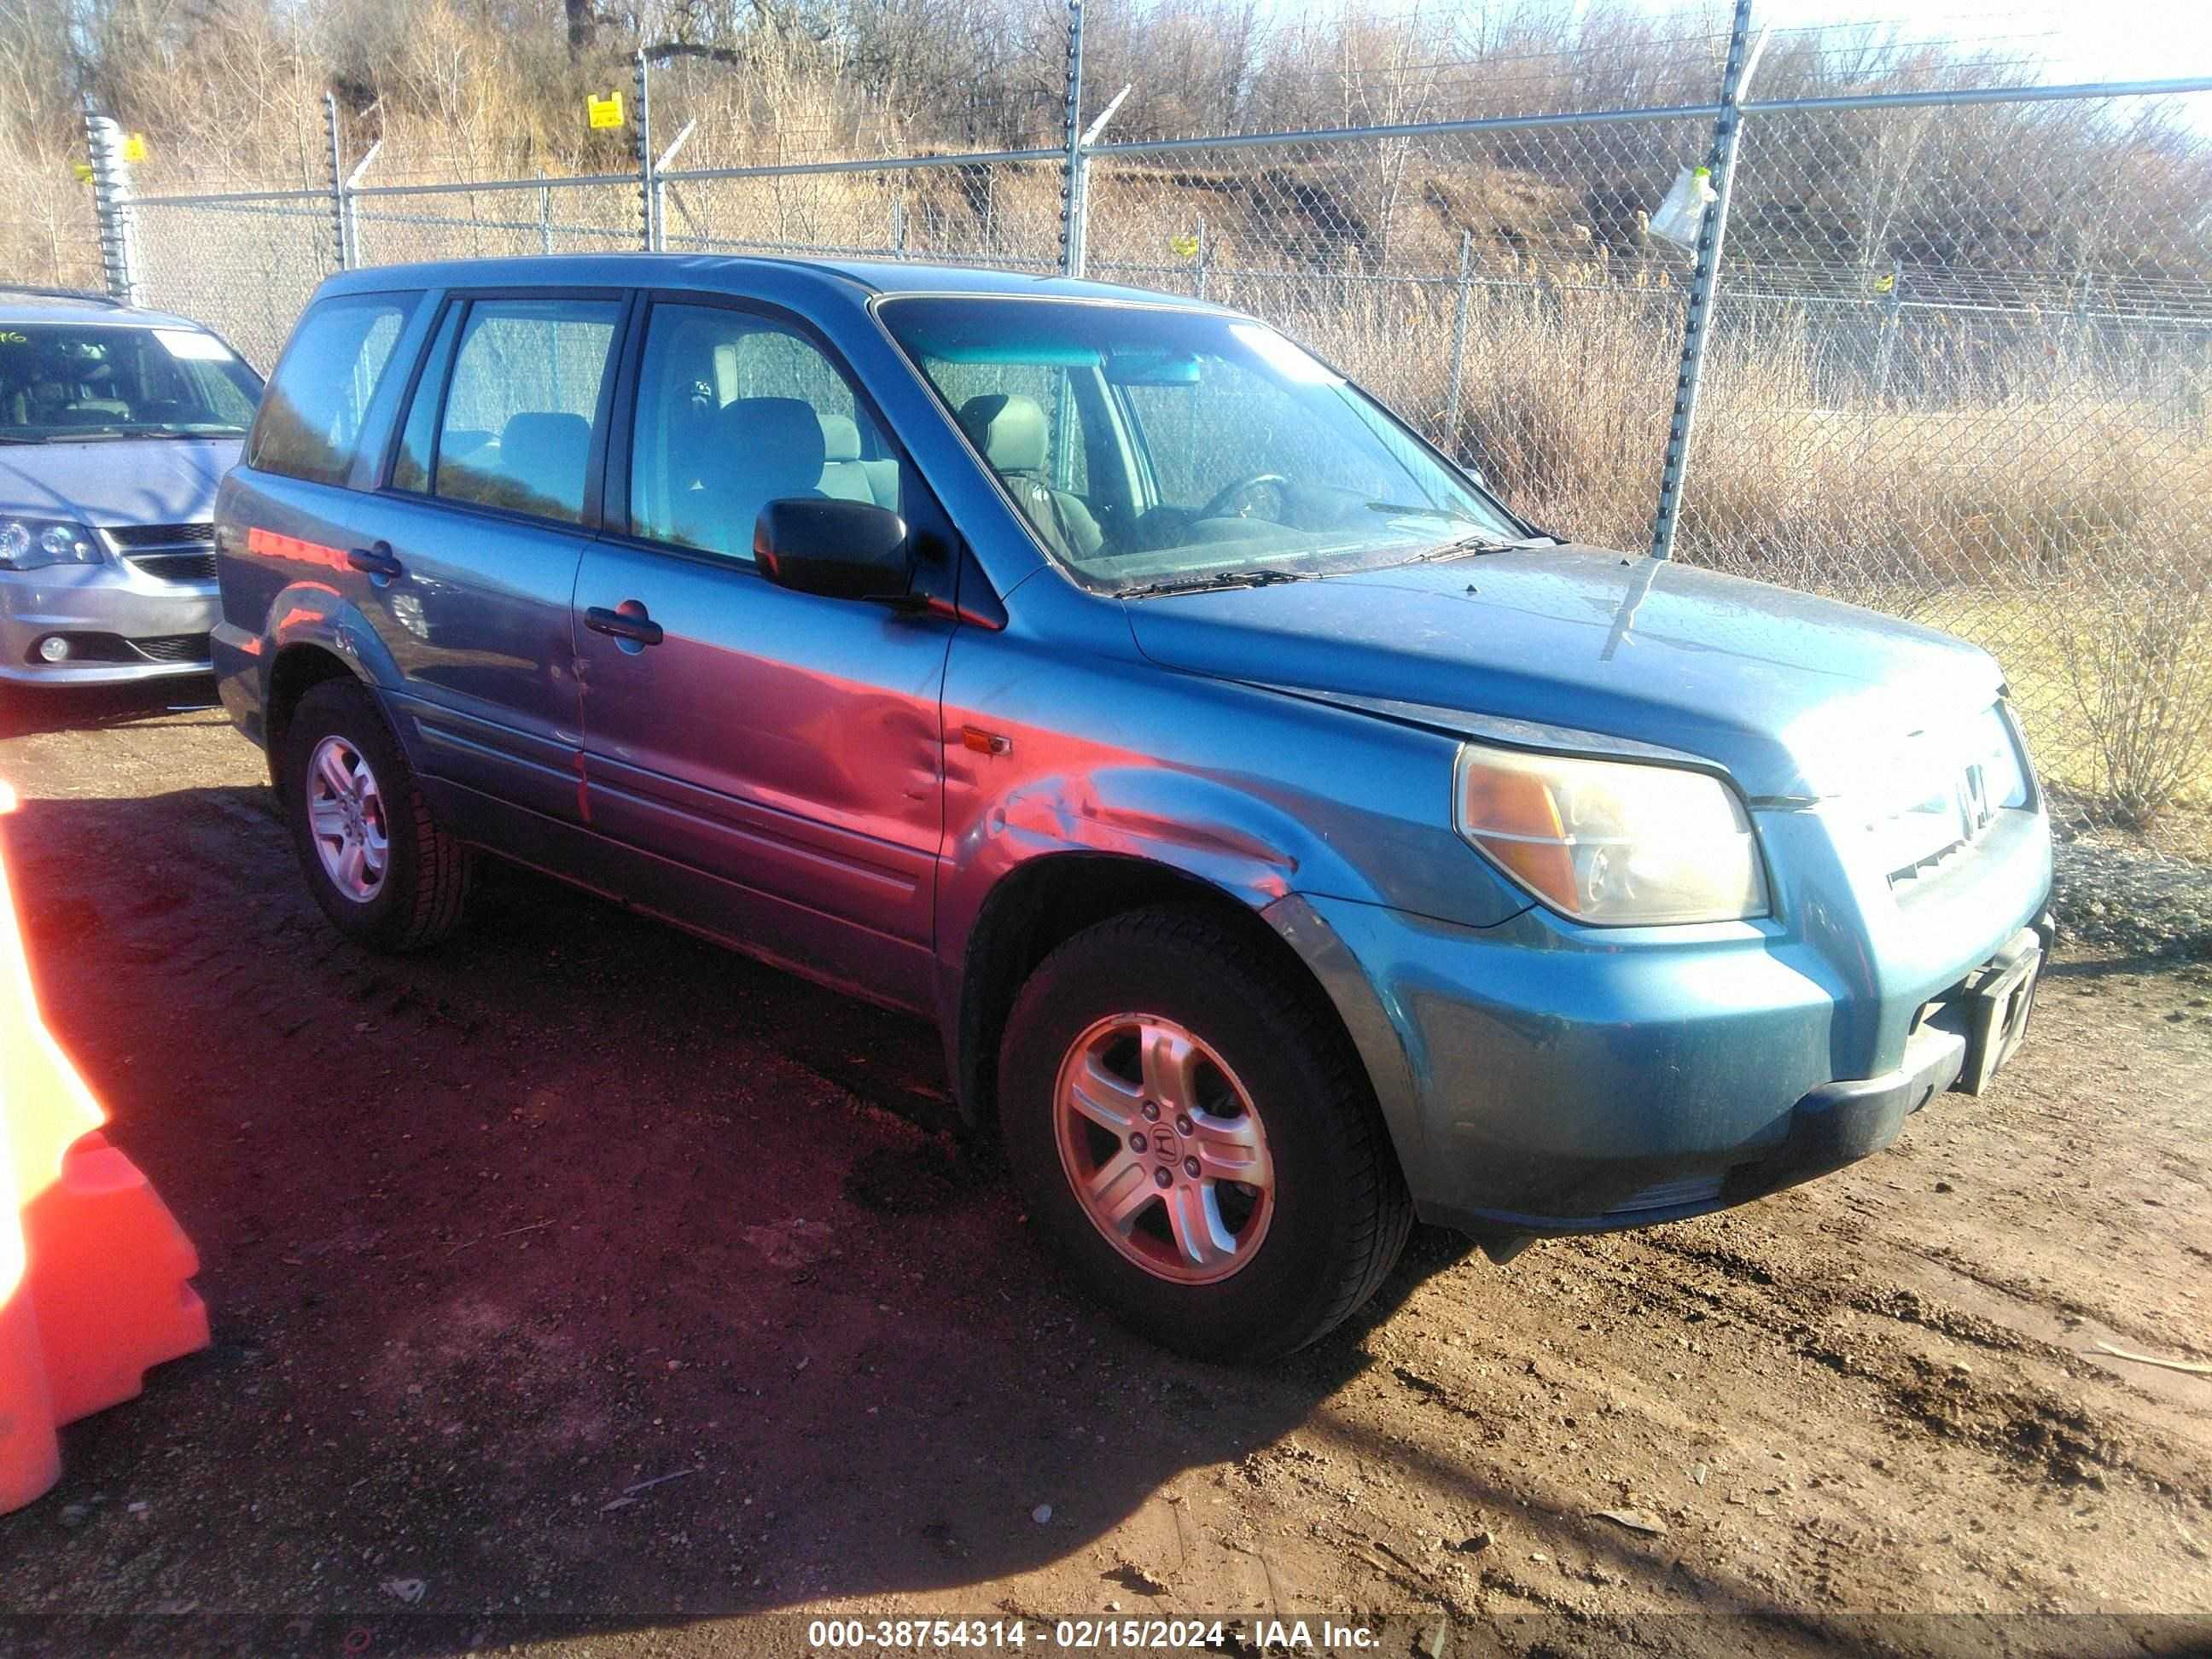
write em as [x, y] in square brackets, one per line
[495, 1236]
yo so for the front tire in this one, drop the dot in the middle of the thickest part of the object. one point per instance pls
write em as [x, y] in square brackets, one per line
[374, 857]
[1195, 1136]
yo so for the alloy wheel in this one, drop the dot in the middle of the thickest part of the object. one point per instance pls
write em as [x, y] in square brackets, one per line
[1163, 1148]
[346, 817]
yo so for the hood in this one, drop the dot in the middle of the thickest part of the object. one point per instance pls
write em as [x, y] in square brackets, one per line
[1794, 695]
[120, 481]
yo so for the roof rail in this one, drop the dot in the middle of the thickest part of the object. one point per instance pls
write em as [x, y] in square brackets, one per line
[89, 295]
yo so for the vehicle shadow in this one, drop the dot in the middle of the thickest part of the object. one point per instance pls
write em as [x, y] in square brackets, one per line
[581, 1271]
[28, 710]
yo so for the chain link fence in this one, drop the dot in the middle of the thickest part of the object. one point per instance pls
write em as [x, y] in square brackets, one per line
[1953, 384]
[1490, 280]
[1939, 376]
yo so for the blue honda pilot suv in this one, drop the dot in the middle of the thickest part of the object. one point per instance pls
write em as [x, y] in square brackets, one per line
[1288, 839]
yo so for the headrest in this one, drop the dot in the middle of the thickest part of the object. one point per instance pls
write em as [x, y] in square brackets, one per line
[1008, 427]
[546, 453]
[546, 440]
[841, 438]
[777, 438]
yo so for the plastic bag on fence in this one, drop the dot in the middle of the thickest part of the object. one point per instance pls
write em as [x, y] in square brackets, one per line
[1682, 215]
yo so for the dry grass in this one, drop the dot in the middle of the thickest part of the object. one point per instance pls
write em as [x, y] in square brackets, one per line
[2061, 532]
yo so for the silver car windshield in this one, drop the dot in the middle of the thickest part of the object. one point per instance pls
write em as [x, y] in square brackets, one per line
[1153, 449]
[69, 382]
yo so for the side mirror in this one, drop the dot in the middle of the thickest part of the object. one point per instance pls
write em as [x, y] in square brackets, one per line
[840, 550]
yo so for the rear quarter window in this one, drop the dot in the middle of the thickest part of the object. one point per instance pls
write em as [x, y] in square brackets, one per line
[312, 413]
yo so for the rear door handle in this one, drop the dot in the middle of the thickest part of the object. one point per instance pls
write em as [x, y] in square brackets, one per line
[625, 624]
[377, 560]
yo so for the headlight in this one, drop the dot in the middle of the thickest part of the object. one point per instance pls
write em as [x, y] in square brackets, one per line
[1613, 842]
[33, 543]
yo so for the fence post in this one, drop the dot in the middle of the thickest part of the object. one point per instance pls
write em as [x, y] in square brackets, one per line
[339, 252]
[111, 197]
[1893, 305]
[660, 167]
[1459, 343]
[1204, 253]
[1071, 189]
[643, 77]
[545, 219]
[898, 222]
[1712, 234]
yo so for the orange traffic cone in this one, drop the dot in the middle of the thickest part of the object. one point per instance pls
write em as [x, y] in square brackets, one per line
[92, 1267]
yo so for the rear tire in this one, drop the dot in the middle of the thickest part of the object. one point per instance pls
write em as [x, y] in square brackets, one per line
[1251, 1076]
[374, 857]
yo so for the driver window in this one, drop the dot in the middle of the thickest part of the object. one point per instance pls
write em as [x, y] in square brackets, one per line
[1233, 424]
[1052, 390]
[734, 412]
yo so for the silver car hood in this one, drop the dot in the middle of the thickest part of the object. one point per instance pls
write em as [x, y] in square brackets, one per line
[118, 481]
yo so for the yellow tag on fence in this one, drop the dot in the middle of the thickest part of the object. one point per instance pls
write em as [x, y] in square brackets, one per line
[606, 111]
[83, 171]
[1885, 283]
[1183, 247]
[134, 147]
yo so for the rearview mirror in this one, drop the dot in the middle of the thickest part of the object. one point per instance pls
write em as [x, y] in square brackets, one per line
[840, 550]
[1153, 368]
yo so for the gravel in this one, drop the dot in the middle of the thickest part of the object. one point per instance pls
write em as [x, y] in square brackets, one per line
[2111, 895]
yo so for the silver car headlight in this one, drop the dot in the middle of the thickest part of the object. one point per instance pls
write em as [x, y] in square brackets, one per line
[33, 543]
[1613, 842]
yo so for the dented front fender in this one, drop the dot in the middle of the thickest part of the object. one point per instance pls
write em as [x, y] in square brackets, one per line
[1052, 749]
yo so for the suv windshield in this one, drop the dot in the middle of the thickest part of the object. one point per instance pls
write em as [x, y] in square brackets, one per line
[1153, 448]
[64, 382]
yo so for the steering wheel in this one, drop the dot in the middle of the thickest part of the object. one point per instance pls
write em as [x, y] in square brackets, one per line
[1221, 501]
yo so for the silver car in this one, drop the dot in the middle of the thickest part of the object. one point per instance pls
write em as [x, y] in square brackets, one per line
[116, 425]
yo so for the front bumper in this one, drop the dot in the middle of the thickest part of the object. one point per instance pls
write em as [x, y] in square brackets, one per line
[107, 609]
[1541, 1078]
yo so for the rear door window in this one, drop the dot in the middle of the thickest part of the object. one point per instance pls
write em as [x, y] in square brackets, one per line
[515, 430]
[311, 415]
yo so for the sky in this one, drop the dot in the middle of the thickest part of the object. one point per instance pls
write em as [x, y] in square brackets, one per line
[2084, 41]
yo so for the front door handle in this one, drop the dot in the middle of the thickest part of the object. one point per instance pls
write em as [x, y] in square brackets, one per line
[629, 622]
[377, 562]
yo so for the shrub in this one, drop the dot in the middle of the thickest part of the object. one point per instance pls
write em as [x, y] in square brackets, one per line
[2138, 662]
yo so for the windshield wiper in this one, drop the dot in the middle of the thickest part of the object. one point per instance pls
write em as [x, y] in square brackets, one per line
[111, 435]
[1476, 544]
[1219, 579]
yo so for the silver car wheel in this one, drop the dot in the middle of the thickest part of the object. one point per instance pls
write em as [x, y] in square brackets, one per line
[345, 815]
[1164, 1149]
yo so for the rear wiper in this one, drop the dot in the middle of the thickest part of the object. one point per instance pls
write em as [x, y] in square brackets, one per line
[1219, 579]
[1469, 544]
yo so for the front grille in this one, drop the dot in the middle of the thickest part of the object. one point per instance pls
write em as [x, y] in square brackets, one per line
[173, 647]
[162, 535]
[176, 567]
[168, 552]
[1944, 790]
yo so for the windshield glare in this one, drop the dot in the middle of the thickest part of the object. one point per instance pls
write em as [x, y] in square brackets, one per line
[62, 382]
[1154, 446]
